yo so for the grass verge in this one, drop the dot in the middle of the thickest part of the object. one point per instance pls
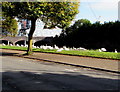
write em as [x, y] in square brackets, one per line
[88, 53]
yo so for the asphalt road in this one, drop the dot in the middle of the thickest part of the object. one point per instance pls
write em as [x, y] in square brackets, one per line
[19, 74]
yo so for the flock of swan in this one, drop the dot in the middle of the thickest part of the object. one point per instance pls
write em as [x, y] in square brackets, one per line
[57, 48]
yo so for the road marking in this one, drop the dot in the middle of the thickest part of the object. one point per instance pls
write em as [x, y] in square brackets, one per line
[71, 70]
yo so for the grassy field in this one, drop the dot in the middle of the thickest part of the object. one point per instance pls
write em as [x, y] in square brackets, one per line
[89, 53]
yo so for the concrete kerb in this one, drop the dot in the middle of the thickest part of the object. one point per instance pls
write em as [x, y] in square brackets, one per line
[29, 57]
[70, 55]
[83, 66]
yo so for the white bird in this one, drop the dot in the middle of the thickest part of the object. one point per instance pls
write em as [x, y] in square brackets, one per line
[70, 49]
[37, 47]
[44, 47]
[116, 51]
[3, 44]
[100, 50]
[26, 45]
[56, 47]
[41, 47]
[34, 46]
[59, 50]
[49, 47]
[22, 45]
[74, 48]
[103, 49]
[82, 48]
[66, 49]
[11, 45]
[18, 45]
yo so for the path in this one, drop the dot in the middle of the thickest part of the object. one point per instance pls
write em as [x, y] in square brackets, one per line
[105, 64]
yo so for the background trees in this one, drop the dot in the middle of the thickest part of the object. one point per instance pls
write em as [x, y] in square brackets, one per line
[9, 27]
[91, 36]
[53, 14]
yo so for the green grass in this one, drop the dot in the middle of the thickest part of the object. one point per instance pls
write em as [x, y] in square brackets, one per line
[13, 47]
[89, 53]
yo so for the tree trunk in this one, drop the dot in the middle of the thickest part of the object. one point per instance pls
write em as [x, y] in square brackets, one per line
[30, 36]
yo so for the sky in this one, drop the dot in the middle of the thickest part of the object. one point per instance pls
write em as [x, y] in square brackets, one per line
[93, 10]
[45, 32]
[98, 10]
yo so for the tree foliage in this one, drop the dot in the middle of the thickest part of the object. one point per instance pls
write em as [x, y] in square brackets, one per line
[91, 36]
[9, 27]
[77, 24]
[53, 14]
[81, 22]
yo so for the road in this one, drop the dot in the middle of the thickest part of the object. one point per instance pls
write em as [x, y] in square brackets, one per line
[104, 64]
[19, 74]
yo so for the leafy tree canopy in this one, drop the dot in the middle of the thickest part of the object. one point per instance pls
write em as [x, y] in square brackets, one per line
[53, 14]
[76, 25]
[82, 22]
[9, 27]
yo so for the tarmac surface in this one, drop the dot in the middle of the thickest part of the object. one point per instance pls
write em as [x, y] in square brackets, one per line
[24, 74]
[95, 63]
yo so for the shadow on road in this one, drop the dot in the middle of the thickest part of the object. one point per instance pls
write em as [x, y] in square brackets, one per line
[7, 54]
[24, 80]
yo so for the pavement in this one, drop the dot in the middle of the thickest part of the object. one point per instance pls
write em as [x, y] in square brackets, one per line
[88, 62]
[23, 74]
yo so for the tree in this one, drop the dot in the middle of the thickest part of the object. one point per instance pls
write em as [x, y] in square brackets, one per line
[9, 27]
[81, 22]
[53, 14]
